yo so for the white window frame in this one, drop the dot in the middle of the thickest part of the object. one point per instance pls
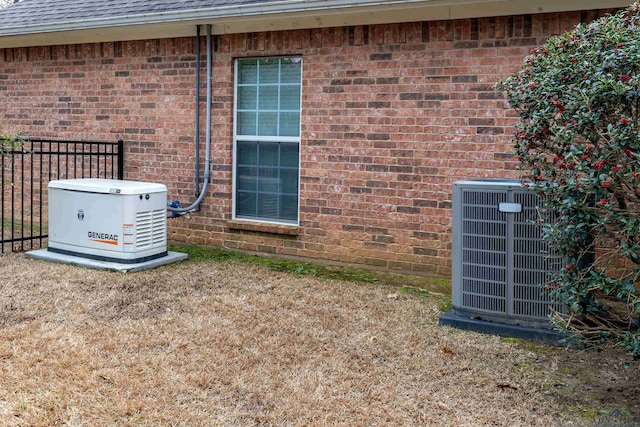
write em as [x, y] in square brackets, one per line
[257, 138]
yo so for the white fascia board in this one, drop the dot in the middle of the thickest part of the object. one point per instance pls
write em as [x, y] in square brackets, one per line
[282, 16]
[524, 7]
[414, 12]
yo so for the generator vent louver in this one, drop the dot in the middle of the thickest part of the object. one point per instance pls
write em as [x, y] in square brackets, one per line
[150, 228]
[500, 262]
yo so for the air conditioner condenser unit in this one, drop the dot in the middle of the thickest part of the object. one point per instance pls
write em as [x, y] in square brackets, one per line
[108, 220]
[500, 261]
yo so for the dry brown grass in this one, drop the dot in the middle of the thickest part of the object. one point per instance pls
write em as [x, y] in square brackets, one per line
[232, 344]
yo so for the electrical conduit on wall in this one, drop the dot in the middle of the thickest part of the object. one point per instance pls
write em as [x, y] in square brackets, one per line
[174, 206]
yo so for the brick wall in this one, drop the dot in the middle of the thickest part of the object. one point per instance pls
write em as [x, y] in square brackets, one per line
[392, 116]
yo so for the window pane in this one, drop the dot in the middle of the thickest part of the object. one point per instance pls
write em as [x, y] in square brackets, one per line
[290, 70]
[246, 204]
[267, 124]
[268, 98]
[246, 179]
[268, 70]
[268, 190]
[248, 71]
[268, 205]
[289, 207]
[269, 153]
[289, 181]
[289, 124]
[268, 182]
[247, 153]
[290, 97]
[247, 123]
[247, 97]
[289, 155]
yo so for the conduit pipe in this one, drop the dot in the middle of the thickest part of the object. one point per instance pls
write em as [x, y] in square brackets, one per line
[197, 171]
[205, 181]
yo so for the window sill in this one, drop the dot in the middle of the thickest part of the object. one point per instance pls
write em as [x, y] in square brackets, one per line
[288, 230]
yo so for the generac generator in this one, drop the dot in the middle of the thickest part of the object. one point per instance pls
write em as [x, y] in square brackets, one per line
[108, 220]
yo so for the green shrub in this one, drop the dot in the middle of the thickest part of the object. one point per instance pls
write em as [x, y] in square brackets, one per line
[10, 142]
[578, 140]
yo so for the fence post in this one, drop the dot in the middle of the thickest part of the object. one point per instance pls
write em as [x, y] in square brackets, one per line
[120, 159]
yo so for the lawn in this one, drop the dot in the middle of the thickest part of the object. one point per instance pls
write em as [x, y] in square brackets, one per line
[228, 341]
[16, 230]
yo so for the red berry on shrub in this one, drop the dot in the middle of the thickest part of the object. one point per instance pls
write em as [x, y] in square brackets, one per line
[600, 164]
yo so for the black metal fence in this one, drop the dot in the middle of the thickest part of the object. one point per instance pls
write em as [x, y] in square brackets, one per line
[25, 172]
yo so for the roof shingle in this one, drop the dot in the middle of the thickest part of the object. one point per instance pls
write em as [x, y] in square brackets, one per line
[38, 12]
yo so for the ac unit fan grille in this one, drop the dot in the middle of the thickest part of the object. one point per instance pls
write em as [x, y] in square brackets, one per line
[533, 262]
[484, 252]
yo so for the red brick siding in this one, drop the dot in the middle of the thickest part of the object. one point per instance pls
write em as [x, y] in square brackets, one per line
[392, 116]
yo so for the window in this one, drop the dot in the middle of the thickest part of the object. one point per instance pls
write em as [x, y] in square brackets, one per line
[267, 139]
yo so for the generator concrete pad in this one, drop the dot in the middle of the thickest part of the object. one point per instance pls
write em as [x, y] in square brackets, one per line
[44, 254]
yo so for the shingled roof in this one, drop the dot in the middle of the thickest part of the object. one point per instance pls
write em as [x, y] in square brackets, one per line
[49, 22]
[35, 12]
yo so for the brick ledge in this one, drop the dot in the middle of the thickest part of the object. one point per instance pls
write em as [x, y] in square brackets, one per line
[289, 230]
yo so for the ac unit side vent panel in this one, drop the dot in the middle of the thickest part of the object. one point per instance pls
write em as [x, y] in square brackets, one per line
[500, 262]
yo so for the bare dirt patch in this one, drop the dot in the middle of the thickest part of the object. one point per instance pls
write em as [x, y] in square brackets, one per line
[233, 344]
